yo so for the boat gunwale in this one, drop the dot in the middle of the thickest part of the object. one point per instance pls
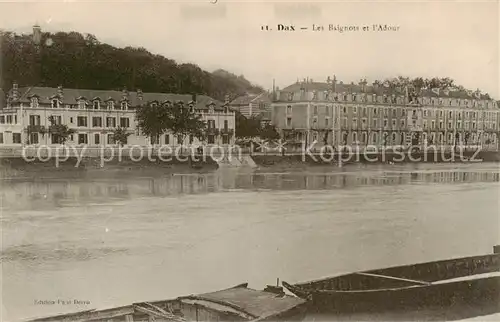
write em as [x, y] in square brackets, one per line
[303, 285]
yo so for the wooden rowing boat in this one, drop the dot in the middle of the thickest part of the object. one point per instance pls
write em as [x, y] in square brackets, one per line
[238, 303]
[454, 283]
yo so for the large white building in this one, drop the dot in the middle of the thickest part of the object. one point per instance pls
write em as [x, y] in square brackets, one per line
[95, 114]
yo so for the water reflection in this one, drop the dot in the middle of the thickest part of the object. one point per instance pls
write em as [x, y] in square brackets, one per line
[60, 192]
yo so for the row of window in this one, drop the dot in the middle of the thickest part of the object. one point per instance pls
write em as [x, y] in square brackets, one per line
[401, 112]
[82, 138]
[8, 119]
[402, 138]
[96, 104]
[374, 98]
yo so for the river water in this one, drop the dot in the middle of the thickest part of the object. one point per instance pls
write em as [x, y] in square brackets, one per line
[116, 240]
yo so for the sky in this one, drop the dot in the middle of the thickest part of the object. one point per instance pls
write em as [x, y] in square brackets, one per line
[457, 39]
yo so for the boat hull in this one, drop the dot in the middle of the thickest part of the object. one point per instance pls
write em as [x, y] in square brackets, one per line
[481, 294]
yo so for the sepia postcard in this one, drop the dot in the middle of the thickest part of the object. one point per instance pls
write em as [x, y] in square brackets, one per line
[219, 160]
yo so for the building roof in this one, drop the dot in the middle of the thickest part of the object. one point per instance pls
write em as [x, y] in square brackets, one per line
[72, 96]
[341, 87]
[251, 98]
[252, 302]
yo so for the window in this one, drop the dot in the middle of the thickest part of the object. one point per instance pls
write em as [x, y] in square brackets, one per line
[386, 123]
[402, 123]
[344, 109]
[81, 121]
[110, 122]
[34, 120]
[167, 139]
[354, 109]
[449, 125]
[315, 110]
[191, 139]
[226, 125]
[375, 123]
[289, 110]
[394, 123]
[111, 105]
[2, 119]
[375, 111]
[288, 121]
[393, 112]
[425, 124]
[375, 138]
[111, 139]
[179, 139]
[33, 138]
[211, 139]
[96, 121]
[344, 121]
[124, 105]
[9, 119]
[433, 124]
[354, 137]
[354, 123]
[440, 113]
[363, 138]
[473, 125]
[16, 138]
[327, 121]
[1, 138]
[71, 120]
[124, 122]
[97, 138]
[425, 113]
[441, 124]
[225, 139]
[394, 137]
[450, 114]
[55, 103]
[96, 104]
[34, 102]
[81, 104]
[82, 138]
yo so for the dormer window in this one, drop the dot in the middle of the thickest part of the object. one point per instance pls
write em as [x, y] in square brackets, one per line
[326, 95]
[34, 102]
[211, 108]
[290, 97]
[124, 105]
[96, 105]
[344, 97]
[81, 104]
[55, 103]
[154, 104]
[226, 110]
[111, 105]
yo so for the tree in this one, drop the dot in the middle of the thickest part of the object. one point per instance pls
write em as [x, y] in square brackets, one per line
[247, 128]
[59, 132]
[152, 120]
[120, 135]
[269, 132]
[182, 121]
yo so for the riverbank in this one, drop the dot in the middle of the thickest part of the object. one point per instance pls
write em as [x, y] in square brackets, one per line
[12, 167]
[312, 159]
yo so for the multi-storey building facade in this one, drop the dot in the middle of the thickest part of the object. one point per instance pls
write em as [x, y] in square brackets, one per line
[339, 114]
[95, 114]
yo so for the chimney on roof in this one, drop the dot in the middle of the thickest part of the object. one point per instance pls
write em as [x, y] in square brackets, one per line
[15, 91]
[139, 94]
[37, 34]
[362, 84]
[60, 92]
[193, 97]
[125, 93]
